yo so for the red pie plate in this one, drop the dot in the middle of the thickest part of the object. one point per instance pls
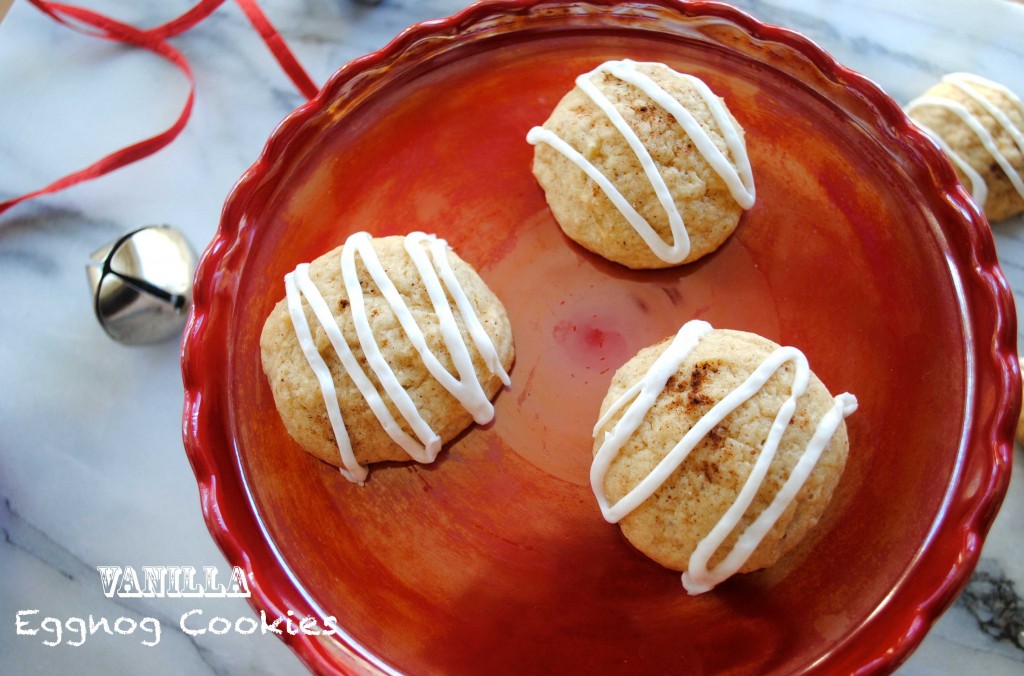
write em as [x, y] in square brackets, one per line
[862, 250]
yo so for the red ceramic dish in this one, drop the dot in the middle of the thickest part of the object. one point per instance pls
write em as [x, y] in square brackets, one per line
[862, 250]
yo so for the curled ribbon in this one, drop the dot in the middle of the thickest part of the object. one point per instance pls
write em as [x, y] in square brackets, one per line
[97, 25]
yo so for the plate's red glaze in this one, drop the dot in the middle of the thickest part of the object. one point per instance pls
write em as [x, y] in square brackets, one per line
[862, 250]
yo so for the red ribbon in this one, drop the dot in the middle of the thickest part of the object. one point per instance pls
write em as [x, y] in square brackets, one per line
[278, 47]
[154, 40]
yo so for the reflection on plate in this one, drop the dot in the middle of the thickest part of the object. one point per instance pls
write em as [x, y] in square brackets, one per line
[862, 250]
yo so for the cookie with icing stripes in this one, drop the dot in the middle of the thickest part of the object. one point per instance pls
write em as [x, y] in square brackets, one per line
[385, 349]
[643, 165]
[717, 452]
[980, 126]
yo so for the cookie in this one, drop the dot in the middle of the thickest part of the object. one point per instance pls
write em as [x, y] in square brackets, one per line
[384, 349]
[980, 126]
[717, 452]
[643, 165]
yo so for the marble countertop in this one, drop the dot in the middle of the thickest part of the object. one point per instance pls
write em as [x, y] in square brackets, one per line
[92, 469]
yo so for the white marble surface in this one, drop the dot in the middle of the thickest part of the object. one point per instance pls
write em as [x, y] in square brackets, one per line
[92, 469]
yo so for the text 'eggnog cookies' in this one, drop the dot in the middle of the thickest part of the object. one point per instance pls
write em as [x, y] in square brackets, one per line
[717, 452]
[980, 126]
[385, 349]
[643, 165]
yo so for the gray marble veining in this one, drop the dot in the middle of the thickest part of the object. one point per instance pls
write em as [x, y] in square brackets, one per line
[73, 463]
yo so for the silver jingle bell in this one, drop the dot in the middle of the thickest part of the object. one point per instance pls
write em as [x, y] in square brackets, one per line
[142, 284]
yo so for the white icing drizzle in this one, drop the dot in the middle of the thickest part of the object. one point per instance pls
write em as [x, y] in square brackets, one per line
[967, 83]
[438, 278]
[640, 397]
[739, 178]
[353, 471]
